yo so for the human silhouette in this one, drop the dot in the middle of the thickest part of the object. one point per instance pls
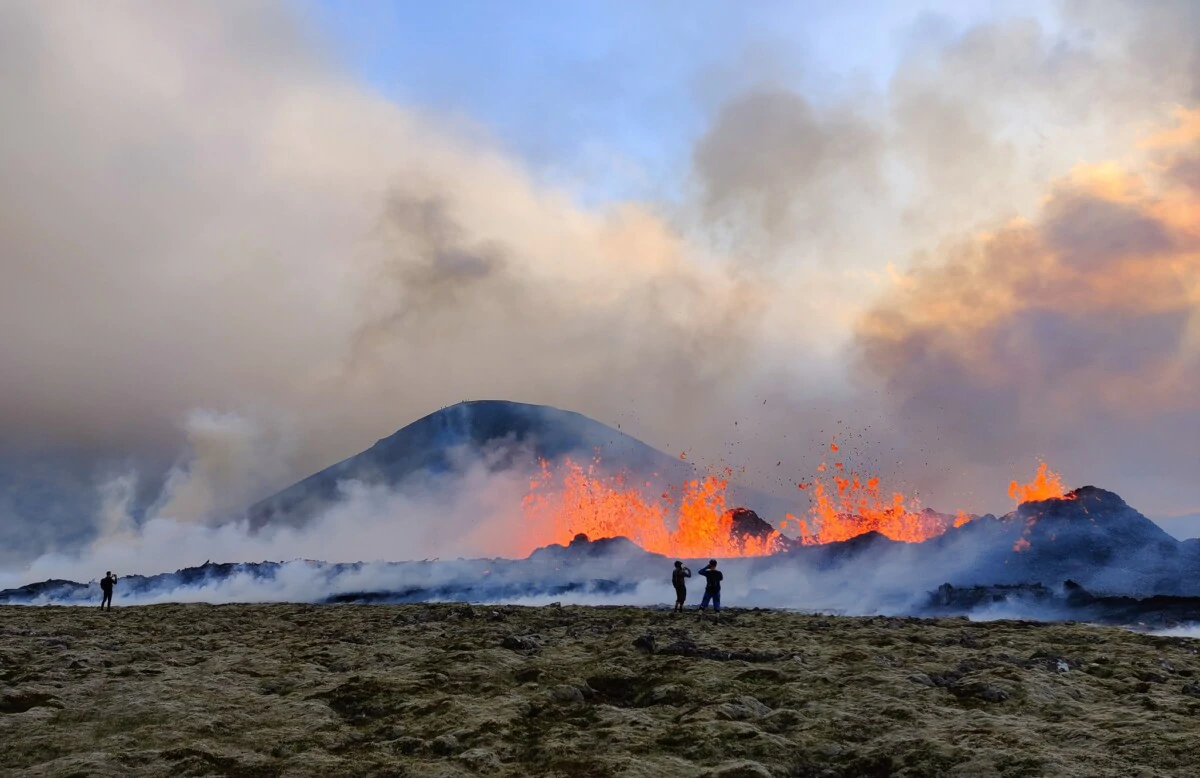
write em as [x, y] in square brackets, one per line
[679, 578]
[712, 590]
[106, 586]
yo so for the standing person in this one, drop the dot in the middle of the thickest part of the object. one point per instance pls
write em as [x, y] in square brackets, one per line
[106, 586]
[712, 590]
[679, 578]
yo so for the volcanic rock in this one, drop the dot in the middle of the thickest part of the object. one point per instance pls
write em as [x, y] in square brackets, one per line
[581, 547]
[566, 693]
[519, 643]
[742, 709]
[739, 769]
[748, 525]
[372, 711]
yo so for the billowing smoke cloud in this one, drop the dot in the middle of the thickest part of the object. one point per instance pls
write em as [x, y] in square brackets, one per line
[200, 210]
[474, 512]
[1010, 227]
[1075, 333]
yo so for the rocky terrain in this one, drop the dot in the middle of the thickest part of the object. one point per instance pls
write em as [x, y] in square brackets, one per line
[461, 690]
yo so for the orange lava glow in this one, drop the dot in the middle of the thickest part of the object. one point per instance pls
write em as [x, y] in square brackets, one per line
[572, 499]
[1046, 485]
[695, 521]
[854, 505]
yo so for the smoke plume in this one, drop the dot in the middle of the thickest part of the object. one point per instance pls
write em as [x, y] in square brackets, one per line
[226, 264]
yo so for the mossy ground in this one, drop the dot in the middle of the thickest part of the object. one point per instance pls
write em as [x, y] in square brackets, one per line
[432, 690]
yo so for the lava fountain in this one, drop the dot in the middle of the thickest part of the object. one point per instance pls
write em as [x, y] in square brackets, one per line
[855, 505]
[1046, 485]
[572, 499]
[696, 521]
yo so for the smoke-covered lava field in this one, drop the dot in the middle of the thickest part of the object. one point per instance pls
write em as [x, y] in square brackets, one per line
[608, 532]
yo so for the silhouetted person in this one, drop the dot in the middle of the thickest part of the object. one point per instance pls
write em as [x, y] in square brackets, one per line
[679, 578]
[712, 590]
[106, 586]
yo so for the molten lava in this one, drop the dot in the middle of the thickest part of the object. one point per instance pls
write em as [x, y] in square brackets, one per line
[696, 521]
[855, 506]
[572, 500]
[1046, 485]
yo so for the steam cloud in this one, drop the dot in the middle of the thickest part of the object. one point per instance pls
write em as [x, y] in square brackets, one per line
[226, 264]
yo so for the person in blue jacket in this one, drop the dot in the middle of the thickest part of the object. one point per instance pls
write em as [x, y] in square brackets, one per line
[712, 590]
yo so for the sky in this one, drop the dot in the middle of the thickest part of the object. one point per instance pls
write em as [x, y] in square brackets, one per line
[607, 98]
[240, 241]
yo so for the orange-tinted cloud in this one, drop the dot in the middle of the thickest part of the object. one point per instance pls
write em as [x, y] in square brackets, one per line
[1077, 331]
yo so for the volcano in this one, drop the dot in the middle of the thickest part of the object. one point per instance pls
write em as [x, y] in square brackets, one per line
[1080, 552]
[505, 435]
[513, 434]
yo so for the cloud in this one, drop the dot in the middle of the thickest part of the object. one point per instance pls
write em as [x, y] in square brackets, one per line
[772, 166]
[1071, 331]
[199, 209]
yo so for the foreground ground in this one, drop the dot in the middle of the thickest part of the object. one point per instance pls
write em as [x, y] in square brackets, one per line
[456, 690]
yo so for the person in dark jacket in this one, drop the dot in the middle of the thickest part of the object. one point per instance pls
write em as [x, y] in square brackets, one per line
[679, 578]
[106, 586]
[712, 590]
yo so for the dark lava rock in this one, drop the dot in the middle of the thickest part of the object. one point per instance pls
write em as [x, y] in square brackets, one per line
[748, 525]
[742, 709]
[409, 745]
[19, 702]
[566, 693]
[444, 745]
[687, 647]
[518, 643]
[645, 643]
[978, 690]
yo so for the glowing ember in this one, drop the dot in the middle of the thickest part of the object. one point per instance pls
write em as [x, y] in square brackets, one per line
[1046, 485]
[578, 500]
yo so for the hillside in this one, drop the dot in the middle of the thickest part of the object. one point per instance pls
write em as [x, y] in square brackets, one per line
[456, 690]
[515, 434]
[507, 435]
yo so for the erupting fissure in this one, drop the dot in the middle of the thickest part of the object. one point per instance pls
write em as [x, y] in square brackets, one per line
[573, 499]
[696, 521]
[856, 506]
